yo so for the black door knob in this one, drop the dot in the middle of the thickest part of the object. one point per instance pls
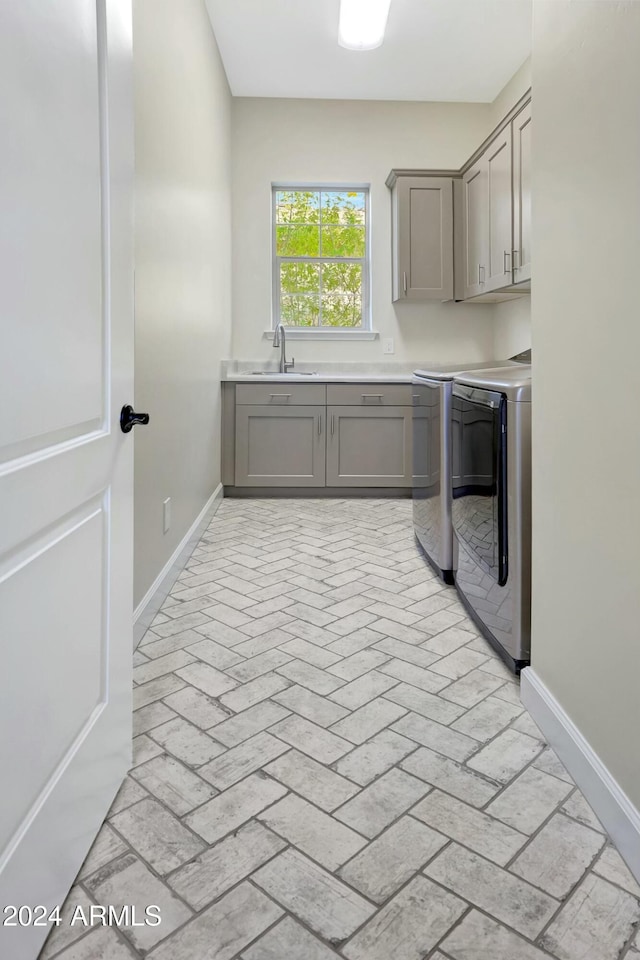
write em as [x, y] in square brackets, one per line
[129, 418]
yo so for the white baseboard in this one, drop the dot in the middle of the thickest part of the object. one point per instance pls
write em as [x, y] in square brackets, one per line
[611, 805]
[157, 593]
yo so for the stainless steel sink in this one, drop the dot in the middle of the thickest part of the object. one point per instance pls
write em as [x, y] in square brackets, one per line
[289, 373]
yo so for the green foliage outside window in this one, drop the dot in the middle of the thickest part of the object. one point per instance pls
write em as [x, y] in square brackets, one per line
[327, 226]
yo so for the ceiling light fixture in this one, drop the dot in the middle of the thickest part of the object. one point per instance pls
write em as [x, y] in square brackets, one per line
[362, 23]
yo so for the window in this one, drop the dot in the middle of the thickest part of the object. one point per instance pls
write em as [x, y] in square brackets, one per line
[321, 257]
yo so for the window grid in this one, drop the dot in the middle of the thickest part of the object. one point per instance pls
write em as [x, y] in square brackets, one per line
[363, 262]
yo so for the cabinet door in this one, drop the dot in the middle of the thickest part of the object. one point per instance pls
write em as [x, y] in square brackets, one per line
[369, 448]
[522, 195]
[498, 165]
[475, 228]
[280, 446]
[423, 238]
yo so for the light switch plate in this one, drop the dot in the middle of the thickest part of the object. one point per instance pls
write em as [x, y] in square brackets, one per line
[388, 345]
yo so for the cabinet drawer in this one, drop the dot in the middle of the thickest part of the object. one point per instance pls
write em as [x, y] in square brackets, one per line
[284, 394]
[369, 394]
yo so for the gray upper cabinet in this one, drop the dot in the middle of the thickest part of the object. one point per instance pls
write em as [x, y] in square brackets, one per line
[522, 195]
[475, 215]
[497, 160]
[479, 217]
[422, 226]
[486, 219]
[493, 216]
[369, 447]
[280, 445]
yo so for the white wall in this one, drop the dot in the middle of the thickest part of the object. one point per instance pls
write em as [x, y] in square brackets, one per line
[586, 341]
[183, 264]
[328, 141]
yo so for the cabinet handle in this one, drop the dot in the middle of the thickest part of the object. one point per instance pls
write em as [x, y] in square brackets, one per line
[507, 269]
[319, 426]
[274, 396]
[514, 254]
[333, 423]
[480, 279]
[372, 396]
[404, 282]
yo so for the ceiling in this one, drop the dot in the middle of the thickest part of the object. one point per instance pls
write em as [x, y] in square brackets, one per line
[433, 49]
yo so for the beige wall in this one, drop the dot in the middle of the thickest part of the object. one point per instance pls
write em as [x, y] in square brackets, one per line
[512, 91]
[182, 247]
[329, 140]
[586, 338]
[512, 327]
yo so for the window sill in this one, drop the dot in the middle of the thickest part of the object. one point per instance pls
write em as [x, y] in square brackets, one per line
[310, 333]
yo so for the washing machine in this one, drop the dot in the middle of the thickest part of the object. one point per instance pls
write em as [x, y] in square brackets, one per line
[432, 457]
[491, 505]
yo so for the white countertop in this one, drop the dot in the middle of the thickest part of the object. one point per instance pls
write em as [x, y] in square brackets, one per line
[306, 371]
[334, 371]
[317, 378]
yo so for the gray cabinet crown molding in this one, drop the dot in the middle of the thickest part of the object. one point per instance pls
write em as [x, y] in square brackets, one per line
[398, 172]
[506, 120]
[457, 174]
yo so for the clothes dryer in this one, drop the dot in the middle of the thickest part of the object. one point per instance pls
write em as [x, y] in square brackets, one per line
[432, 457]
[491, 505]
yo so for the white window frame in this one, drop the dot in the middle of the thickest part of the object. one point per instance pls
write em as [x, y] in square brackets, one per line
[365, 330]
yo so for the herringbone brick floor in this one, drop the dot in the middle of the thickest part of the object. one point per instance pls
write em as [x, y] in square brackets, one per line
[329, 762]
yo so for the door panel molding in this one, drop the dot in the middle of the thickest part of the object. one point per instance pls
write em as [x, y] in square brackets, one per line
[66, 690]
[66, 476]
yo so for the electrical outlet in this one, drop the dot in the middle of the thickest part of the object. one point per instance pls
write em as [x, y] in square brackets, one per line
[388, 346]
[166, 515]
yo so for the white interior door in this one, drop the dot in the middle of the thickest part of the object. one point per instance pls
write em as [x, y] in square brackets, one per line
[66, 368]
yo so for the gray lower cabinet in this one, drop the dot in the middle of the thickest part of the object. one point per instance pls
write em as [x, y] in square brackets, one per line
[280, 446]
[288, 435]
[369, 447]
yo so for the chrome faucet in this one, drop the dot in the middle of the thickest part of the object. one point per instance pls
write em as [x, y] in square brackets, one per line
[280, 340]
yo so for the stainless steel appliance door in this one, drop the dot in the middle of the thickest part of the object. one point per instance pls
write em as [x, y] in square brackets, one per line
[430, 474]
[479, 475]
